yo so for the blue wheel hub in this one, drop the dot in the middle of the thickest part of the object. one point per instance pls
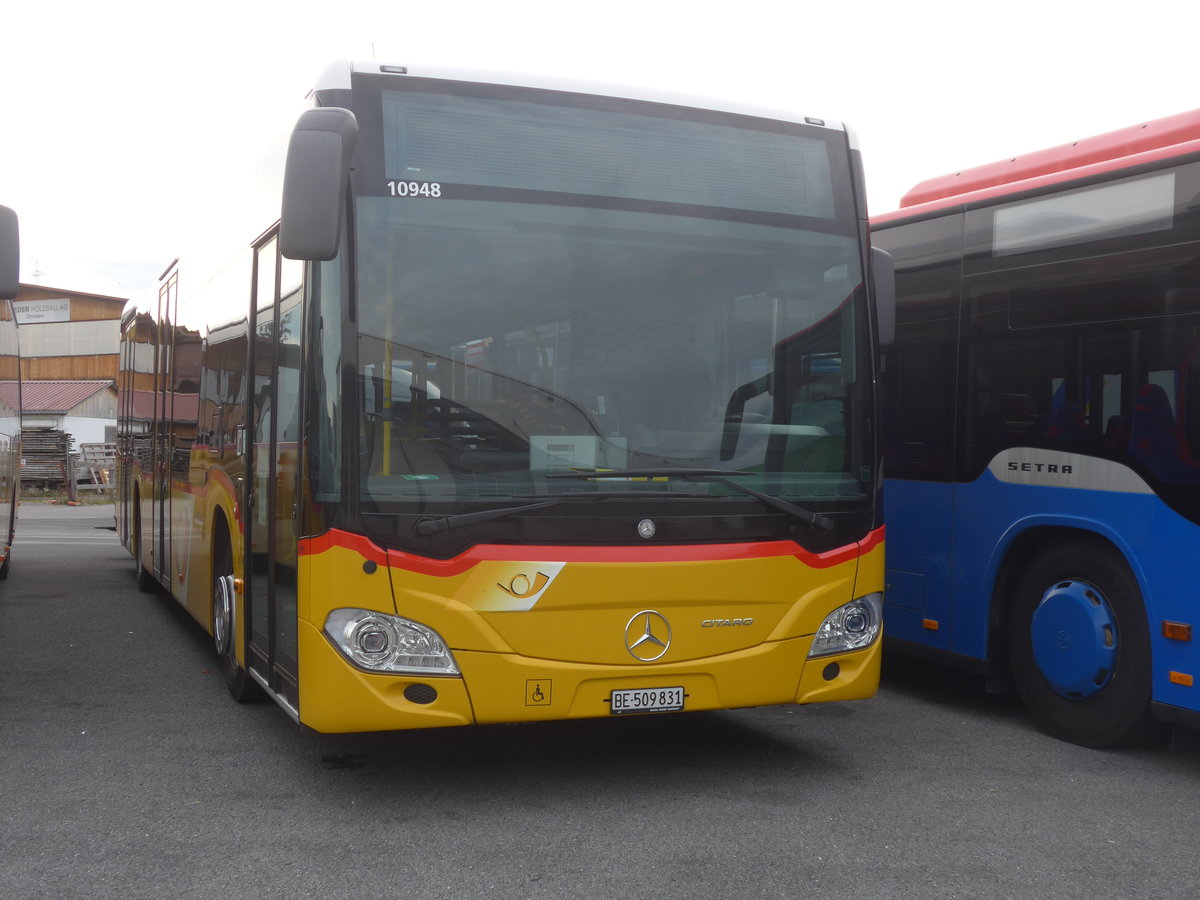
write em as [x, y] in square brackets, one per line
[1074, 637]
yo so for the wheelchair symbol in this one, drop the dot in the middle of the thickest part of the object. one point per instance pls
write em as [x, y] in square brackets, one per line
[537, 693]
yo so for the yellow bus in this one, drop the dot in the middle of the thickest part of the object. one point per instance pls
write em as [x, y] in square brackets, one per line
[536, 402]
[10, 385]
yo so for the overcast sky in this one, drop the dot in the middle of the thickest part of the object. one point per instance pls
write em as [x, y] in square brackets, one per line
[118, 119]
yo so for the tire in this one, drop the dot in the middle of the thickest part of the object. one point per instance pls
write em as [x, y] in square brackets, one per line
[146, 582]
[15, 500]
[1079, 646]
[226, 633]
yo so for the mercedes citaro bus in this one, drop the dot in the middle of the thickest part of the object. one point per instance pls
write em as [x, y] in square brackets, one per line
[532, 401]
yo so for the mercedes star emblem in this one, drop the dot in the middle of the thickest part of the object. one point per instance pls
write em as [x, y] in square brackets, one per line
[648, 635]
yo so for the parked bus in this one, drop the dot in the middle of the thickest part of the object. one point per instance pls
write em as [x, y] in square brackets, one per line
[1043, 428]
[10, 385]
[538, 403]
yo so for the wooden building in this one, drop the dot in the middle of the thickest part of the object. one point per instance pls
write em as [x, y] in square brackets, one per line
[69, 359]
[67, 335]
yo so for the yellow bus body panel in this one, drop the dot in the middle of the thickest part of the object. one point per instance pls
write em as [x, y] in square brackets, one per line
[335, 697]
[543, 637]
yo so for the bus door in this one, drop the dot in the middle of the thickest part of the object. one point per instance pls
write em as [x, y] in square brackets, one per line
[274, 467]
[921, 414]
[160, 514]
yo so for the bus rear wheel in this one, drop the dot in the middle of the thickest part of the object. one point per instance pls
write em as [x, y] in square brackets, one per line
[145, 581]
[241, 686]
[1078, 646]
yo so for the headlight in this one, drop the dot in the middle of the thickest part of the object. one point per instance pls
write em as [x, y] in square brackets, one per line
[849, 627]
[383, 643]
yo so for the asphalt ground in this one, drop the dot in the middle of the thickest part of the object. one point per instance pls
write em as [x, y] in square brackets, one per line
[126, 771]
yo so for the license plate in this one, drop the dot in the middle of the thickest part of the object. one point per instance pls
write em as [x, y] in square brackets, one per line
[646, 700]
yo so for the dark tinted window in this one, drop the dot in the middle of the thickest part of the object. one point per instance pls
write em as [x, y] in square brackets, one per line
[1127, 390]
[919, 369]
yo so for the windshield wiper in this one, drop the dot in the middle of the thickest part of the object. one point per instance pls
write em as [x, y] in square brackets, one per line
[807, 516]
[431, 525]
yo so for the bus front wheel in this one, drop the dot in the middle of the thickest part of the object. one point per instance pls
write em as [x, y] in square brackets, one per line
[1078, 646]
[241, 686]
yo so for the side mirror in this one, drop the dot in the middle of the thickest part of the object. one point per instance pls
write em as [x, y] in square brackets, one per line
[883, 270]
[10, 254]
[314, 183]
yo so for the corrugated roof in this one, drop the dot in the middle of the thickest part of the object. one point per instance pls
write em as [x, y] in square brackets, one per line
[180, 407]
[58, 396]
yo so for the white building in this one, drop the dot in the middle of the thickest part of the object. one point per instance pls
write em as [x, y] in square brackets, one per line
[86, 410]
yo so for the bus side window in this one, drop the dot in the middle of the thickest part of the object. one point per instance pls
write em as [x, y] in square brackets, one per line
[1156, 440]
[919, 402]
[1017, 377]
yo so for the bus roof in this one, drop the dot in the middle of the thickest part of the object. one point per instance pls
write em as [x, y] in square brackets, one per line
[1165, 138]
[337, 75]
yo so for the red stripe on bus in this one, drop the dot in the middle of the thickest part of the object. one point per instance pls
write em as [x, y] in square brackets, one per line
[445, 568]
[364, 547]
[871, 541]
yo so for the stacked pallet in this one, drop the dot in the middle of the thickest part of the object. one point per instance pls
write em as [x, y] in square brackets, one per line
[47, 458]
[95, 464]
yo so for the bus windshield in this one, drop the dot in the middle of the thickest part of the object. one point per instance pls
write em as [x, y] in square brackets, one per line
[603, 290]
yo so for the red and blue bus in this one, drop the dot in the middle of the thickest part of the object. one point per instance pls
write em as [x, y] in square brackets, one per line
[1043, 428]
[529, 401]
